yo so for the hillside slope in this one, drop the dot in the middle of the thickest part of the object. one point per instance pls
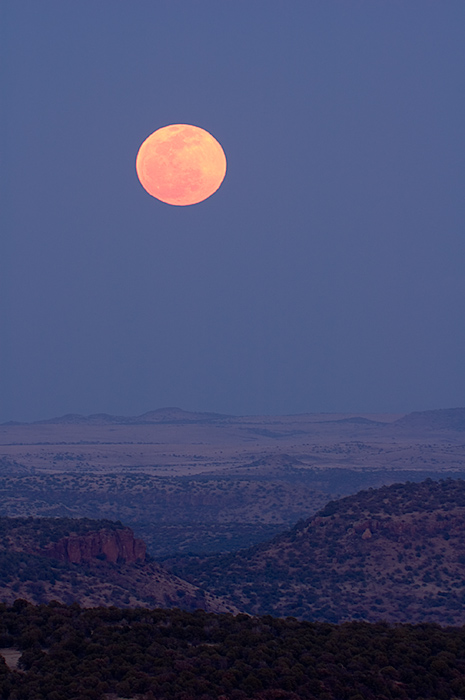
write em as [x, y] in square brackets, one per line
[396, 553]
[196, 515]
[92, 562]
[201, 515]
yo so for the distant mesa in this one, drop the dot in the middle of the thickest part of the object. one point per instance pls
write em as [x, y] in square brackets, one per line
[76, 419]
[360, 420]
[440, 419]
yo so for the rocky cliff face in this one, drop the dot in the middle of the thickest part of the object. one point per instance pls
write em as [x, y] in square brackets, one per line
[112, 545]
[100, 563]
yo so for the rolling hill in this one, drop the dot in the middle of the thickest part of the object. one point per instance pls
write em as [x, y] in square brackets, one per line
[90, 562]
[395, 553]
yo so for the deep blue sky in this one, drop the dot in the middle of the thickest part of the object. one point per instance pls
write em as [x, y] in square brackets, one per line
[326, 274]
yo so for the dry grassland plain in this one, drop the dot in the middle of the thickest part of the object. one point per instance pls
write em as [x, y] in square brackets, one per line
[196, 482]
[178, 443]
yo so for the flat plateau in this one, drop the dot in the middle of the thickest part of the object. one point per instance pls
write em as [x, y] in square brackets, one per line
[172, 442]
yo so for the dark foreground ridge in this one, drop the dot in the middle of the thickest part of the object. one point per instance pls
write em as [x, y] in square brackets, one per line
[68, 653]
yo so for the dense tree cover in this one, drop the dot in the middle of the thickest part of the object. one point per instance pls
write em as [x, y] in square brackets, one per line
[69, 653]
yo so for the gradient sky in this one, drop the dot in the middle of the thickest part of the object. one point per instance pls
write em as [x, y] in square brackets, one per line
[326, 274]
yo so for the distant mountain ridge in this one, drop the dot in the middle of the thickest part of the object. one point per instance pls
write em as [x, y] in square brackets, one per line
[444, 419]
[439, 419]
[161, 415]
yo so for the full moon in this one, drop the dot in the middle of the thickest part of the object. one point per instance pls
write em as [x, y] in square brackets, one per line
[181, 164]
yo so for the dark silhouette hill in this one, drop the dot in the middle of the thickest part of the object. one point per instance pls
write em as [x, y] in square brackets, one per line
[395, 553]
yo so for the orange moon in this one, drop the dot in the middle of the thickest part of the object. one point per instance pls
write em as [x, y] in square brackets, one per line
[181, 164]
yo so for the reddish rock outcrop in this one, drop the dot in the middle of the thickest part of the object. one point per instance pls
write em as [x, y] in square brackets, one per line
[111, 545]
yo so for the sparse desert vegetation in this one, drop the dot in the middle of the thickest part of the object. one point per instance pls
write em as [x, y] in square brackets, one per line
[343, 605]
[395, 553]
[207, 483]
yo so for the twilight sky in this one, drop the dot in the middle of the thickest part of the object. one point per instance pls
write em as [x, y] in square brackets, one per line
[326, 274]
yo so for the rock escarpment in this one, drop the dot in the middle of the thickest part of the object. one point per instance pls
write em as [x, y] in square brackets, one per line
[91, 562]
[114, 546]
